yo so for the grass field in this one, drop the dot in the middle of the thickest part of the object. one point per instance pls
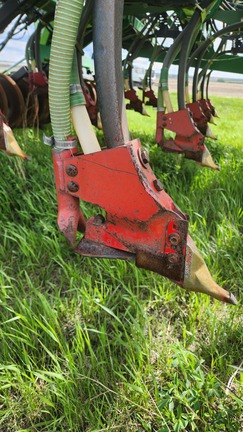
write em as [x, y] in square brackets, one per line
[92, 345]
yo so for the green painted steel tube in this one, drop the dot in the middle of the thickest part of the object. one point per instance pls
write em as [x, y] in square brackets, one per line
[76, 96]
[67, 17]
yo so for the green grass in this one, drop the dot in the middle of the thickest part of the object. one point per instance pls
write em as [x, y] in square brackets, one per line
[92, 345]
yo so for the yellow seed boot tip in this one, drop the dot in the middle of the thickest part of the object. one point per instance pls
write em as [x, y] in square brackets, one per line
[198, 278]
[211, 120]
[144, 112]
[207, 160]
[11, 144]
[232, 299]
[210, 134]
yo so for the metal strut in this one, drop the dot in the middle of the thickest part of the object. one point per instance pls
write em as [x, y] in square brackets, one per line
[107, 34]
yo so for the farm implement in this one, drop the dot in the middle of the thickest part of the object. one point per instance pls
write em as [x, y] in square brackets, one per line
[136, 220]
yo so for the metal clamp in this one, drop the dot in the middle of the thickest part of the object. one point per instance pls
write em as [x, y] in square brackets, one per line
[75, 88]
[62, 145]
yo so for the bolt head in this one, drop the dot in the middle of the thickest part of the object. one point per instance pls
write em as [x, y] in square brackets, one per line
[71, 170]
[173, 258]
[174, 239]
[72, 186]
[99, 219]
[158, 185]
[143, 157]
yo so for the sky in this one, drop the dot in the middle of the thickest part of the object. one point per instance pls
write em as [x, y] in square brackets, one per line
[14, 51]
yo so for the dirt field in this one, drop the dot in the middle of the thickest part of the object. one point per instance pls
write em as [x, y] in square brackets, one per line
[226, 89]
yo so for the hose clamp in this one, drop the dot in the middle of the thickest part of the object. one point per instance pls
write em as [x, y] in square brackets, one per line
[60, 145]
[75, 88]
[49, 141]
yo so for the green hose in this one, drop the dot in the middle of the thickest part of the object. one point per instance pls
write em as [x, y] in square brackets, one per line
[67, 17]
[76, 96]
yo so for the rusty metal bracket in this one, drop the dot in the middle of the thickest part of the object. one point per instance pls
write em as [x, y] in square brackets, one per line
[152, 99]
[141, 221]
[134, 102]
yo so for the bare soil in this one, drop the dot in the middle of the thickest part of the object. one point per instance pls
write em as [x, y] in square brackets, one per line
[225, 89]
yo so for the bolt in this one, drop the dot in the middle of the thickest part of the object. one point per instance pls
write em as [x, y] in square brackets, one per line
[72, 186]
[164, 124]
[158, 185]
[164, 118]
[173, 258]
[99, 219]
[143, 157]
[71, 170]
[174, 239]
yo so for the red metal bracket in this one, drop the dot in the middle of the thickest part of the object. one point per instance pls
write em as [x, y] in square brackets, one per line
[141, 221]
[212, 108]
[198, 116]
[188, 139]
[38, 82]
[207, 111]
[135, 103]
[152, 99]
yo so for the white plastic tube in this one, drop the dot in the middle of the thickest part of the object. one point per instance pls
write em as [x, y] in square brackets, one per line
[84, 129]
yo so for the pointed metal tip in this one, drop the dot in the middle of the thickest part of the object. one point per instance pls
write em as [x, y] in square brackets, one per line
[210, 134]
[197, 277]
[232, 299]
[207, 160]
[144, 112]
[211, 120]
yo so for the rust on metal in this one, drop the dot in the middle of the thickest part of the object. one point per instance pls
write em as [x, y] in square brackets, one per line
[16, 105]
[96, 250]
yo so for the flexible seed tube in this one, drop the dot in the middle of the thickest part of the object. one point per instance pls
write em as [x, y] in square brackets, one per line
[67, 17]
[79, 114]
[63, 72]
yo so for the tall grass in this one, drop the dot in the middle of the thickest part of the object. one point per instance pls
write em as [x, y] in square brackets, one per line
[92, 345]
